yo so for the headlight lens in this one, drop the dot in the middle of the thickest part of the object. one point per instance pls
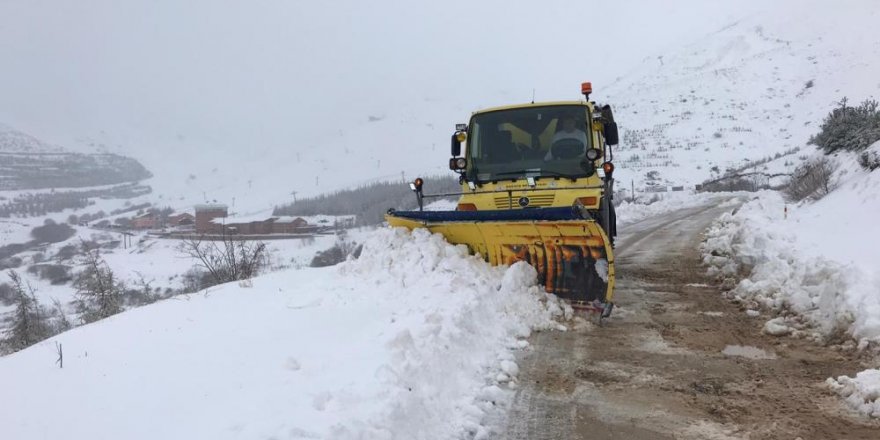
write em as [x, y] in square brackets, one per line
[593, 154]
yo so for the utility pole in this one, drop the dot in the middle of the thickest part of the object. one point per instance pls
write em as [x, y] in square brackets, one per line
[633, 197]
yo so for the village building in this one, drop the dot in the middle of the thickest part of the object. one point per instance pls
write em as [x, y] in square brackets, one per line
[145, 221]
[215, 219]
[181, 219]
[205, 214]
[261, 225]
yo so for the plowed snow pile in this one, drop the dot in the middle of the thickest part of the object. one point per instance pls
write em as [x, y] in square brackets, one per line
[412, 340]
[817, 268]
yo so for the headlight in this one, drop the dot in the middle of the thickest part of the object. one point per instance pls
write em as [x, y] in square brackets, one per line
[457, 163]
[593, 154]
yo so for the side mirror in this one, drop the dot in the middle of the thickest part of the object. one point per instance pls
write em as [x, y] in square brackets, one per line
[456, 145]
[610, 133]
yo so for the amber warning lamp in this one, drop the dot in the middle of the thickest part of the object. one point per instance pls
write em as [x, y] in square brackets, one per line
[586, 89]
[416, 186]
[608, 168]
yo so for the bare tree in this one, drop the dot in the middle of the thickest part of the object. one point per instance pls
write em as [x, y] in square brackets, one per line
[813, 179]
[100, 293]
[227, 259]
[29, 321]
[61, 323]
[341, 250]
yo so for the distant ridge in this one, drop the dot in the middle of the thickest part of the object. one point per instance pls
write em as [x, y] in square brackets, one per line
[29, 163]
[14, 141]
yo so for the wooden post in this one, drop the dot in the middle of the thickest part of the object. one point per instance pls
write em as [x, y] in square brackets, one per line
[60, 360]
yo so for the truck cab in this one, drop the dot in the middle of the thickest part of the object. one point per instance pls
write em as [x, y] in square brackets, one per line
[537, 156]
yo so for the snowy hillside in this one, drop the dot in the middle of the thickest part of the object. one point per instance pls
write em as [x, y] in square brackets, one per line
[755, 89]
[375, 348]
[813, 267]
[14, 141]
[29, 163]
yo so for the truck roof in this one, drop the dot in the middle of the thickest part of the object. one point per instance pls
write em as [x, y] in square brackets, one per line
[534, 104]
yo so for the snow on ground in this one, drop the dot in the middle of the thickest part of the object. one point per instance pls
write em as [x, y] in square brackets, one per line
[158, 262]
[819, 263]
[861, 392]
[816, 267]
[442, 205]
[628, 212]
[412, 340]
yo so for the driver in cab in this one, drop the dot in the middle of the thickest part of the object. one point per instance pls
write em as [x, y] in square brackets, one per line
[569, 132]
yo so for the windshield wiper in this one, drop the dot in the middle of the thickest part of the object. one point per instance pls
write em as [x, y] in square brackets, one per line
[542, 173]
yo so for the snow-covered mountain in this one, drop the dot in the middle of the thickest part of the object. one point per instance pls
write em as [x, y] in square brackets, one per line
[754, 89]
[29, 163]
[14, 141]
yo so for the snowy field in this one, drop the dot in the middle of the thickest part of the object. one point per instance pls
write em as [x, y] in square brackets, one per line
[816, 268]
[149, 260]
[414, 339]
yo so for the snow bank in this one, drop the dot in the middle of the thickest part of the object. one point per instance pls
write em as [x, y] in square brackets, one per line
[628, 212]
[817, 267]
[816, 295]
[413, 340]
[862, 392]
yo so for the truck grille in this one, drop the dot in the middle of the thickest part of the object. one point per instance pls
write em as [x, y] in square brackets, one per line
[535, 201]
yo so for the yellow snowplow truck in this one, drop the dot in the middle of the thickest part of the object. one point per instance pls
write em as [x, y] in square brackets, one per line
[536, 187]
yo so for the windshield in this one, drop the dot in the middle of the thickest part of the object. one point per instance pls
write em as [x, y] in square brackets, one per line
[548, 141]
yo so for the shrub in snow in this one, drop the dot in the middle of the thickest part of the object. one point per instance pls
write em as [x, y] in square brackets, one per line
[60, 323]
[67, 252]
[98, 289]
[869, 160]
[52, 232]
[197, 279]
[7, 294]
[140, 293]
[56, 274]
[228, 259]
[29, 323]
[812, 179]
[328, 257]
[849, 128]
[10, 263]
[336, 254]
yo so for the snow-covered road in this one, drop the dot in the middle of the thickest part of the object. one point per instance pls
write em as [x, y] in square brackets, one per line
[677, 360]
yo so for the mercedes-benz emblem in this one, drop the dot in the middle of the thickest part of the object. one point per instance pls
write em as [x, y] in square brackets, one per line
[523, 201]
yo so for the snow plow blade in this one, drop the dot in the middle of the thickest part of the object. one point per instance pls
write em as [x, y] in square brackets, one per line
[571, 254]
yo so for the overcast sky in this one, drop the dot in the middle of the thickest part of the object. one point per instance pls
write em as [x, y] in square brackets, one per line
[254, 99]
[269, 69]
